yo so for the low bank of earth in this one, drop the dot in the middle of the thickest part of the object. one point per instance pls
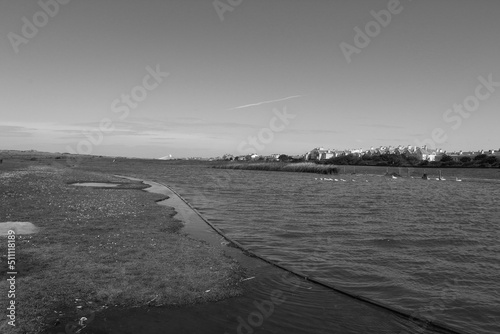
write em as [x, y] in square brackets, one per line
[99, 247]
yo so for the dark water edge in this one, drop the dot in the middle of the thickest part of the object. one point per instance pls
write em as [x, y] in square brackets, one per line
[268, 306]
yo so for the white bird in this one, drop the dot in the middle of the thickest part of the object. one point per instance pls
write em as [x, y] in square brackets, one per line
[336, 180]
[459, 180]
[342, 180]
[353, 180]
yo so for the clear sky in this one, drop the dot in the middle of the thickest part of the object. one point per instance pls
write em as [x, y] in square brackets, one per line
[225, 73]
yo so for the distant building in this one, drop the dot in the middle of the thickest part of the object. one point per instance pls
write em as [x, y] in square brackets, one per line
[423, 153]
[320, 153]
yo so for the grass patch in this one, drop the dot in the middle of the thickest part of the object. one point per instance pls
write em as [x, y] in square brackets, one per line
[100, 247]
[301, 167]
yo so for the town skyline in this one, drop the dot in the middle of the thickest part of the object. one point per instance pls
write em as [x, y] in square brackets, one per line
[388, 149]
[383, 149]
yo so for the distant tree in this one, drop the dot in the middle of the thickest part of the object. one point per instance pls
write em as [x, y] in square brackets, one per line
[349, 159]
[284, 158]
[353, 159]
[446, 158]
[412, 160]
[394, 159]
[300, 159]
[465, 159]
[480, 157]
[446, 163]
[491, 160]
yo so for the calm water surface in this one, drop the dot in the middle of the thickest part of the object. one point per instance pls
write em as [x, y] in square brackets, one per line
[428, 248]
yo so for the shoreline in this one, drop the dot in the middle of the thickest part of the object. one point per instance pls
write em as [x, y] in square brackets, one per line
[97, 247]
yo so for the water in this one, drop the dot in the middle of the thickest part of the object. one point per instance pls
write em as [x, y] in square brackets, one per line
[428, 248]
[96, 184]
[18, 228]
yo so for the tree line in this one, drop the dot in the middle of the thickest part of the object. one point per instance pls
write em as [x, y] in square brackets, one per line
[403, 160]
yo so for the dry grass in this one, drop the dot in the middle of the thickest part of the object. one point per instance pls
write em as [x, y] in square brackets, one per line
[301, 167]
[100, 247]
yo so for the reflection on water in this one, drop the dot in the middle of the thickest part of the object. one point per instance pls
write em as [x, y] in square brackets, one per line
[6, 228]
[428, 248]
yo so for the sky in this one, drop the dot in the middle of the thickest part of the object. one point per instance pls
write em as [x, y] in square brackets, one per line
[203, 78]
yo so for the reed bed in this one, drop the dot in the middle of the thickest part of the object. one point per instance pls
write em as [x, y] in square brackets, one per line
[302, 167]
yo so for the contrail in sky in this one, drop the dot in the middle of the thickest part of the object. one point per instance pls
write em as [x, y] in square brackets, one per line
[264, 102]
